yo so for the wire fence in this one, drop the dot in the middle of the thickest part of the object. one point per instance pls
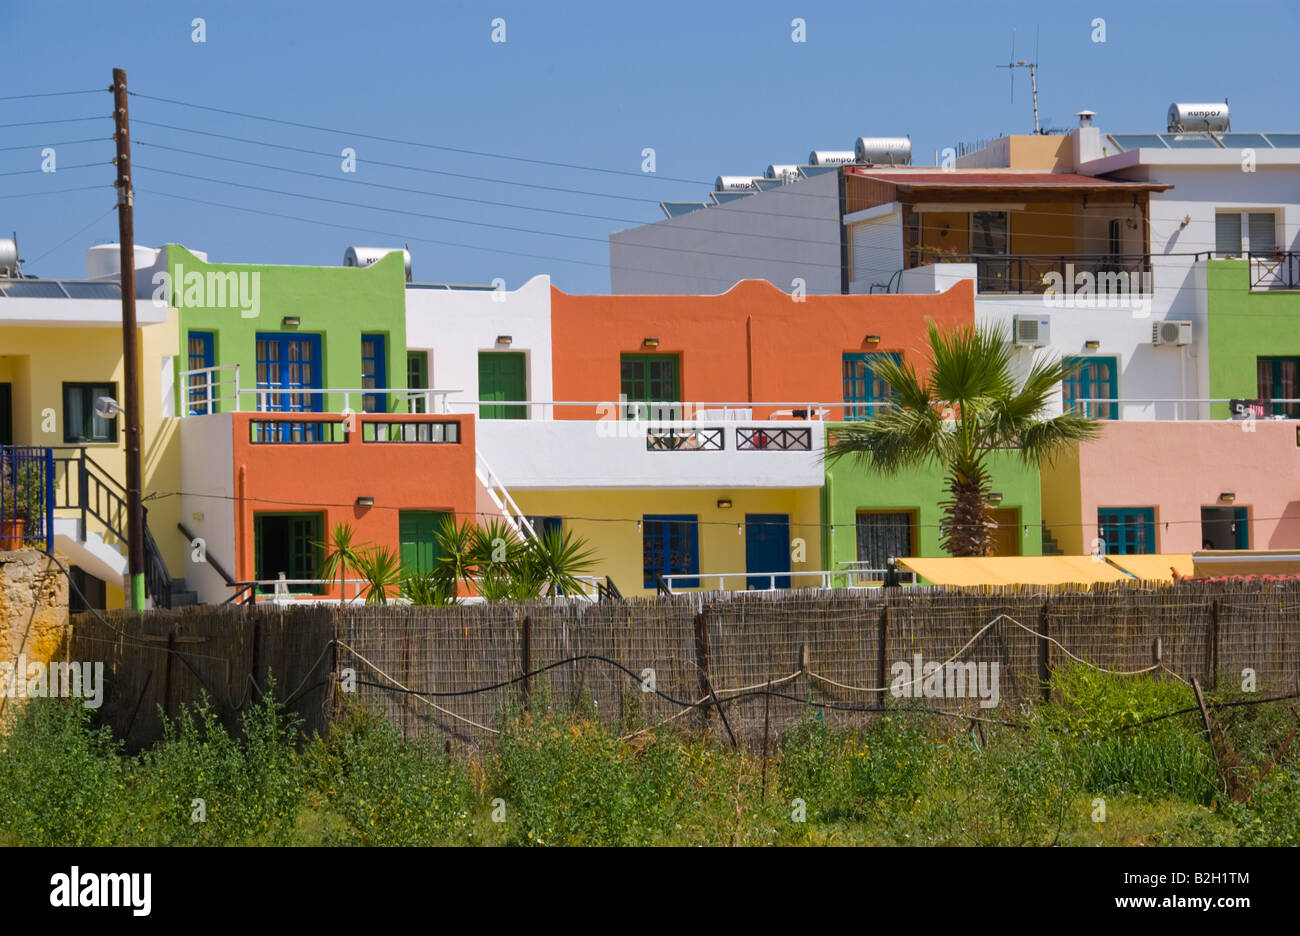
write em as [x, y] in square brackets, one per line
[737, 664]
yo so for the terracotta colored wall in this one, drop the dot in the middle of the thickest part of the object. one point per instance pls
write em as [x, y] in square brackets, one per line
[406, 476]
[753, 342]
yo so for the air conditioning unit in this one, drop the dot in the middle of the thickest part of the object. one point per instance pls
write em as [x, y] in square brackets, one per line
[1171, 332]
[1031, 331]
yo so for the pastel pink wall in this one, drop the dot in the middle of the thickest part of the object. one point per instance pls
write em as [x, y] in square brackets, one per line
[1180, 467]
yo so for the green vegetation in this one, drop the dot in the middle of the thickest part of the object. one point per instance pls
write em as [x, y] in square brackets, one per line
[909, 778]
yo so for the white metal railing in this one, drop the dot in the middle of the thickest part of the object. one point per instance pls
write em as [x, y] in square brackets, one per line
[283, 592]
[501, 497]
[856, 578]
[209, 395]
[1179, 403]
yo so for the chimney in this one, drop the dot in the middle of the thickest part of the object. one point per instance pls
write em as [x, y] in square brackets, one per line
[1087, 141]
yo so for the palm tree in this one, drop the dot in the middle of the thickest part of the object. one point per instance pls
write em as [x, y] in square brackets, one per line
[969, 407]
[382, 570]
[340, 554]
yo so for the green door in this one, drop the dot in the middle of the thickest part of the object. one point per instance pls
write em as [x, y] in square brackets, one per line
[650, 378]
[501, 377]
[419, 546]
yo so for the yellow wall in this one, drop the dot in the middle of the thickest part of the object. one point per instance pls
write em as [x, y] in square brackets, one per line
[1045, 228]
[38, 360]
[1061, 501]
[607, 519]
[1051, 153]
[957, 236]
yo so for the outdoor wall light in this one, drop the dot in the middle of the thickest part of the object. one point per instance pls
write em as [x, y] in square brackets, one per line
[1092, 344]
[995, 497]
[291, 321]
[649, 342]
[724, 503]
[873, 339]
[504, 340]
[740, 530]
[106, 407]
[365, 502]
[1227, 497]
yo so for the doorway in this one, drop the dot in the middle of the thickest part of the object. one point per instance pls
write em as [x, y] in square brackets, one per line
[1224, 528]
[767, 549]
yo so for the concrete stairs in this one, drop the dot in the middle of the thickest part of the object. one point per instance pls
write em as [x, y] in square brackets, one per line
[1050, 546]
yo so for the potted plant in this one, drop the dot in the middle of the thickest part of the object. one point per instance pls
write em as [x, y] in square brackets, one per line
[22, 498]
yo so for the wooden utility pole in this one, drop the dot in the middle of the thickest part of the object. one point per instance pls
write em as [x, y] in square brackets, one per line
[130, 348]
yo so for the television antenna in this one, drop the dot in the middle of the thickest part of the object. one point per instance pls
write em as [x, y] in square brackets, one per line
[1015, 63]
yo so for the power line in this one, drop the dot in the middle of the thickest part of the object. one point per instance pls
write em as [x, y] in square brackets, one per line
[61, 169]
[45, 94]
[80, 188]
[7, 149]
[40, 123]
[98, 218]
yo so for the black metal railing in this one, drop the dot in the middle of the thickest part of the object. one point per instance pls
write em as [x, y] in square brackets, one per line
[674, 439]
[774, 440]
[27, 482]
[1035, 274]
[411, 430]
[1278, 270]
[608, 591]
[90, 491]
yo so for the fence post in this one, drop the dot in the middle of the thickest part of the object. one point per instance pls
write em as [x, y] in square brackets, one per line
[1044, 654]
[1212, 646]
[702, 658]
[883, 650]
[526, 657]
[49, 500]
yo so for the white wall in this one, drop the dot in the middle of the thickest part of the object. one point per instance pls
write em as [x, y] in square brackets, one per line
[612, 454]
[207, 467]
[454, 325]
[876, 250]
[785, 233]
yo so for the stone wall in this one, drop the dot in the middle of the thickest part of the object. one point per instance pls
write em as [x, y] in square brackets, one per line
[33, 606]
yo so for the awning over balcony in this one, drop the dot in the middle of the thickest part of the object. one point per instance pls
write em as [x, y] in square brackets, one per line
[1014, 570]
[1008, 180]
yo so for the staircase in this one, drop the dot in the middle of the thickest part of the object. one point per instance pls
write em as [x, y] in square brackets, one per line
[500, 498]
[1050, 546]
[89, 492]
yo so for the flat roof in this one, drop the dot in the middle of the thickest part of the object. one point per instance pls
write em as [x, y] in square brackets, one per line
[906, 180]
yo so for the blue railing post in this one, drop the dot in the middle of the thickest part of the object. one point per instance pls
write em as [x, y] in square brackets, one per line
[49, 501]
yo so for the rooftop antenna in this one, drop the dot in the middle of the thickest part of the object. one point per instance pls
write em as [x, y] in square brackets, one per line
[1013, 64]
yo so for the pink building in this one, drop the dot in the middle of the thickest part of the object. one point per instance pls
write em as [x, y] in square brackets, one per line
[1176, 487]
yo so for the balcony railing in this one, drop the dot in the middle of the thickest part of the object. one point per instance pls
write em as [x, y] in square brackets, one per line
[1035, 274]
[337, 429]
[1278, 270]
[685, 439]
[774, 440]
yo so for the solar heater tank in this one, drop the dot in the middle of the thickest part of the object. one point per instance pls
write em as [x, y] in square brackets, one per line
[734, 183]
[1187, 118]
[883, 151]
[8, 256]
[831, 158]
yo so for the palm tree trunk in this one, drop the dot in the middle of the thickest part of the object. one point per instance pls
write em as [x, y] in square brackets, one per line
[967, 530]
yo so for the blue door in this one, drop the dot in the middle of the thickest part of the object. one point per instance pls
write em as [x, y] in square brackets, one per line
[287, 363]
[767, 549]
[374, 374]
[200, 355]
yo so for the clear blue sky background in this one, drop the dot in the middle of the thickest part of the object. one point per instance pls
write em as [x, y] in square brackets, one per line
[713, 88]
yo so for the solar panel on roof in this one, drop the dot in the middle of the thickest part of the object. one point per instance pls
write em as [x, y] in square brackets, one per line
[1284, 140]
[723, 198]
[1132, 141]
[1244, 140]
[1200, 140]
[93, 290]
[33, 289]
[764, 184]
[810, 171]
[676, 209]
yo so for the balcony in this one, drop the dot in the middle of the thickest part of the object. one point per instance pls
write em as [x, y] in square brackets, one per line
[571, 453]
[1034, 274]
[1278, 270]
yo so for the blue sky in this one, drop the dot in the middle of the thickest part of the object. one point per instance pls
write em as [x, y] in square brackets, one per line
[714, 89]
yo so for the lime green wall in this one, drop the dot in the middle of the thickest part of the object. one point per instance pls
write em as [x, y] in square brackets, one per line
[1244, 326]
[338, 303]
[850, 487]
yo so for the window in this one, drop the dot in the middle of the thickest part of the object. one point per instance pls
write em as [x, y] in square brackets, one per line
[883, 536]
[201, 391]
[670, 546]
[1094, 378]
[1276, 379]
[80, 422]
[545, 526]
[650, 378]
[6, 414]
[417, 378]
[990, 240]
[861, 385]
[1127, 531]
[1262, 231]
[418, 540]
[1224, 528]
[1227, 234]
[374, 374]
[288, 543]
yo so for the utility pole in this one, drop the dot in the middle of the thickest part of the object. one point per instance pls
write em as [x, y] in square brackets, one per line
[130, 348]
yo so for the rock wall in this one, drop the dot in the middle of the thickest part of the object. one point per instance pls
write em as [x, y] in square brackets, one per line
[33, 606]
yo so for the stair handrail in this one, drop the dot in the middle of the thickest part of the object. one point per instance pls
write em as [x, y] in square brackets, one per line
[514, 516]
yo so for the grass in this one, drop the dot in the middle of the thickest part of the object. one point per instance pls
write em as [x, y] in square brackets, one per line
[1083, 771]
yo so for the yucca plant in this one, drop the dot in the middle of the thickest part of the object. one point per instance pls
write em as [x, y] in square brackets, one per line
[554, 560]
[340, 554]
[381, 569]
[971, 406]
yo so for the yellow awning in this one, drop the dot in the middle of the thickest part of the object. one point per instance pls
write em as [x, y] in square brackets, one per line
[1155, 568]
[1014, 570]
[1210, 563]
